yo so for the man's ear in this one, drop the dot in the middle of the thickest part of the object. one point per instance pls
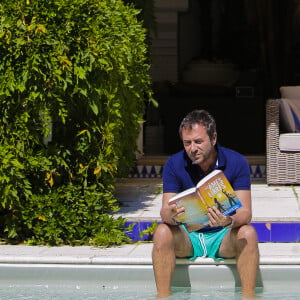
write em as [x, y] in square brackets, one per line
[214, 139]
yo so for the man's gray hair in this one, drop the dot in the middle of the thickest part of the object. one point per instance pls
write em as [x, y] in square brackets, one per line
[199, 116]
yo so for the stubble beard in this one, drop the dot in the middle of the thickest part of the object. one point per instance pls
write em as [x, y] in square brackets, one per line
[200, 156]
[197, 158]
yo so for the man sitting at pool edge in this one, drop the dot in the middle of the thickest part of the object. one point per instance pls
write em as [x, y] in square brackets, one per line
[226, 236]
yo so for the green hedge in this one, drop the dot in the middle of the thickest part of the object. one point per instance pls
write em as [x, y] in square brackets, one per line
[73, 85]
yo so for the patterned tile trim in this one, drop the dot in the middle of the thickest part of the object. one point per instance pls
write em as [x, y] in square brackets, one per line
[267, 232]
[257, 171]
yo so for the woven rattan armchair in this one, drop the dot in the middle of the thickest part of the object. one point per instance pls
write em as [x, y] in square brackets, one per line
[283, 167]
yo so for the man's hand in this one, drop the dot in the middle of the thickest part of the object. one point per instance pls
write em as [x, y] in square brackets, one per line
[216, 218]
[169, 214]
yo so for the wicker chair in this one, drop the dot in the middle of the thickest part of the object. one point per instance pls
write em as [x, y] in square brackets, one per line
[283, 167]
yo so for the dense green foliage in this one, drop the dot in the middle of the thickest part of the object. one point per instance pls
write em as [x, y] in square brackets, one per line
[73, 85]
[146, 16]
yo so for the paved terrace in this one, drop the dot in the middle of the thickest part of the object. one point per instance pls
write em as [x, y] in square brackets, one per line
[276, 215]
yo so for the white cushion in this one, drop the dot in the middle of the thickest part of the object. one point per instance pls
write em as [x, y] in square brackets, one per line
[292, 92]
[289, 142]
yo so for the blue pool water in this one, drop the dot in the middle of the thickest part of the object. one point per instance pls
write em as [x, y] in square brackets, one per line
[112, 282]
[74, 292]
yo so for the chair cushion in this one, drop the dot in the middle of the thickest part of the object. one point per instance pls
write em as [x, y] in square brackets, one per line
[291, 92]
[290, 115]
[289, 142]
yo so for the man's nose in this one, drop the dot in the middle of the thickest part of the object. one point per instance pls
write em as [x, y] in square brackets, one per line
[193, 146]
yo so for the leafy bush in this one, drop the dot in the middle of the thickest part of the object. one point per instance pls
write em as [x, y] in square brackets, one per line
[73, 85]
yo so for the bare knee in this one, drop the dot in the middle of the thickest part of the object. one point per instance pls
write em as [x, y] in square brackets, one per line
[163, 236]
[248, 233]
[172, 238]
[247, 237]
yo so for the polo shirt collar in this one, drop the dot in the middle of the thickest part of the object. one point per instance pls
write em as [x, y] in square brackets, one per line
[221, 160]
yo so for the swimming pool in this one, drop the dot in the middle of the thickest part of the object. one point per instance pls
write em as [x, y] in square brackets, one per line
[70, 281]
[125, 272]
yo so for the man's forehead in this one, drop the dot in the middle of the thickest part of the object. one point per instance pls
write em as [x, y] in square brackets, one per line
[195, 126]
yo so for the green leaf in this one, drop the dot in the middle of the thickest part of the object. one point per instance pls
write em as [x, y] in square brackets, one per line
[94, 108]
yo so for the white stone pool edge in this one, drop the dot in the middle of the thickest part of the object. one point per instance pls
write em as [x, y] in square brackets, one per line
[131, 254]
[131, 265]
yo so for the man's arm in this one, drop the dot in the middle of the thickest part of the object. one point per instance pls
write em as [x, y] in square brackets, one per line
[243, 215]
[169, 212]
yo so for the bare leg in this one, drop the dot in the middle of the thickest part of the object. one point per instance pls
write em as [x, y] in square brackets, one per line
[169, 242]
[242, 243]
[247, 260]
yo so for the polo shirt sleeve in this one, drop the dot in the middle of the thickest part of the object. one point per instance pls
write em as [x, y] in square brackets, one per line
[240, 178]
[171, 183]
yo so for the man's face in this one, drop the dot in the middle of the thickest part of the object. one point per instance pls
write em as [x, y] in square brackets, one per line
[197, 143]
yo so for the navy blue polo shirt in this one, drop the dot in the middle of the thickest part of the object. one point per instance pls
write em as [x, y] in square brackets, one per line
[180, 174]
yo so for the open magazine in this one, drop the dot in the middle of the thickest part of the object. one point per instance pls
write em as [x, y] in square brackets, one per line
[212, 190]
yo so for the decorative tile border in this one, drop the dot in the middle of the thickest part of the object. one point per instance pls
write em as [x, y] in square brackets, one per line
[278, 232]
[146, 171]
[266, 231]
[257, 171]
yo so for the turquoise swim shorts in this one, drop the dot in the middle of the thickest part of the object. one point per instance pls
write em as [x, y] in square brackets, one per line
[206, 244]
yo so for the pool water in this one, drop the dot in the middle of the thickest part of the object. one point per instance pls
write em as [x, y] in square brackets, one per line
[74, 292]
[115, 282]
